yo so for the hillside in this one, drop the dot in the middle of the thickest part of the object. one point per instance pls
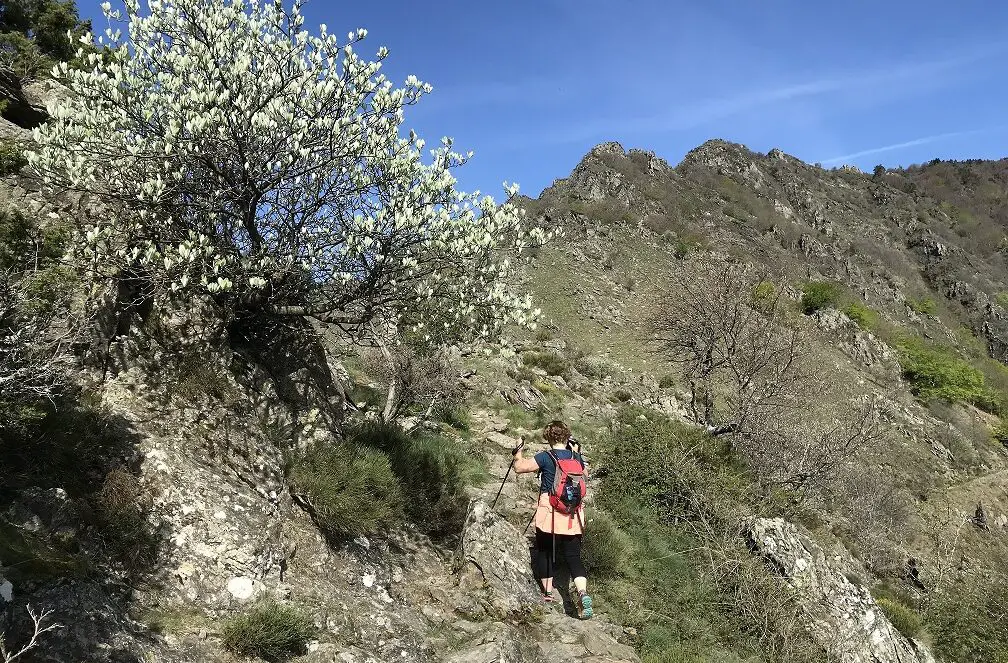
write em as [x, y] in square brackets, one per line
[200, 467]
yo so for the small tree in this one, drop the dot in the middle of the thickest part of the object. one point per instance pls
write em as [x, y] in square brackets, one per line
[244, 158]
[751, 374]
[33, 35]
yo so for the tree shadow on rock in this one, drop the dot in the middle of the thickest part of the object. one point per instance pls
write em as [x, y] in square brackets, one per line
[77, 532]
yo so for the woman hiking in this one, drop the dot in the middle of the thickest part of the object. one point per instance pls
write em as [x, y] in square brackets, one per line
[559, 516]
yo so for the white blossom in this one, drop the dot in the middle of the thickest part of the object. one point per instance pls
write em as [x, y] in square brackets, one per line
[244, 156]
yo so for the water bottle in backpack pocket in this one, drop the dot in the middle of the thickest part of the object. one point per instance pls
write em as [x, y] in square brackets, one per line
[569, 487]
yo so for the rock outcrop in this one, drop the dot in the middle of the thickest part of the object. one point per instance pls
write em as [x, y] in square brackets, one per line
[844, 616]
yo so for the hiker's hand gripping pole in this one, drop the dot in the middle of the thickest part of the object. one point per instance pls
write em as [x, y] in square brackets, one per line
[514, 454]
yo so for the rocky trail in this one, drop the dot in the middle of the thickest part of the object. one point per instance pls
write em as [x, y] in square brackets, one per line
[229, 541]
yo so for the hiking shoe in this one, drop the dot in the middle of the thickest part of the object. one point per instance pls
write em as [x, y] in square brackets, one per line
[586, 607]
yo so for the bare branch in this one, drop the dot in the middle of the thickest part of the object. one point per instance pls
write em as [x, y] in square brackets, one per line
[40, 628]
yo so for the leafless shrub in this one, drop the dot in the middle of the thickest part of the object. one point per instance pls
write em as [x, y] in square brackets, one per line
[752, 374]
[878, 518]
[34, 353]
[424, 377]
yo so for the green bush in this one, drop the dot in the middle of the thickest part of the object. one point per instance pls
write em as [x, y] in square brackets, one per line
[937, 372]
[606, 546]
[458, 417]
[269, 630]
[664, 588]
[764, 291]
[551, 362]
[666, 381]
[818, 295]
[968, 621]
[430, 469]
[904, 618]
[351, 489]
[864, 316]
[622, 395]
[1001, 432]
[12, 158]
[924, 306]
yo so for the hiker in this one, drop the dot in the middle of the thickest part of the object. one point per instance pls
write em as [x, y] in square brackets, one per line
[559, 518]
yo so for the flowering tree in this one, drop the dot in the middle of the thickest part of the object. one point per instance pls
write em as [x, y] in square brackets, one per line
[244, 158]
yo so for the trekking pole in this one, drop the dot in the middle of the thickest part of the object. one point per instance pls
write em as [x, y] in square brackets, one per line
[525, 531]
[504, 480]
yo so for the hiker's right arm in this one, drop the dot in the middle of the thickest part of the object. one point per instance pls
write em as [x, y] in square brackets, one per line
[522, 464]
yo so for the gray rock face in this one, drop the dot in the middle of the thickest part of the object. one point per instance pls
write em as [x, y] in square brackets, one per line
[860, 345]
[844, 616]
[493, 562]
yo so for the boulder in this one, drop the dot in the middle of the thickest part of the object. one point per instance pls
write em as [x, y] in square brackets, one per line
[493, 564]
[844, 616]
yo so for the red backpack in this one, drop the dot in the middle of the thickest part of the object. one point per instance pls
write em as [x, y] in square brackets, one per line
[569, 487]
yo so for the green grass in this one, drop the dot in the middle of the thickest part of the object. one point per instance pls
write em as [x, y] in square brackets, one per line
[551, 362]
[905, 619]
[925, 306]
[662, 477]
[968, 621]
[269, 630]
[606, 546]
[862, 314]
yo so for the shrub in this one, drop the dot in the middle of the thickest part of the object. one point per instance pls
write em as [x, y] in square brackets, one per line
[763, 292]
[121, 511]
[1001, 432]
[592, 367]
[622, 395]
[551, 362]
[269, 630]
[924, 306]
[904, 618]
[543, 334]
[666, 381]
[430, 469]
[606, 546]
[12, 158]
[818, 295]
[937, 372]
[350, 489]
[968, 621]
[458, 417]
[864, 316]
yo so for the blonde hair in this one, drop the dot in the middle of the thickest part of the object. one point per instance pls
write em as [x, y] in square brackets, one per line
[556, 432]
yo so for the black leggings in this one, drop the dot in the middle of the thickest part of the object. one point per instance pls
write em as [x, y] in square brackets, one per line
[568, 548]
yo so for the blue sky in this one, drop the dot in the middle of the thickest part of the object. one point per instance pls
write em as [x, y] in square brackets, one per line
[530, 86]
